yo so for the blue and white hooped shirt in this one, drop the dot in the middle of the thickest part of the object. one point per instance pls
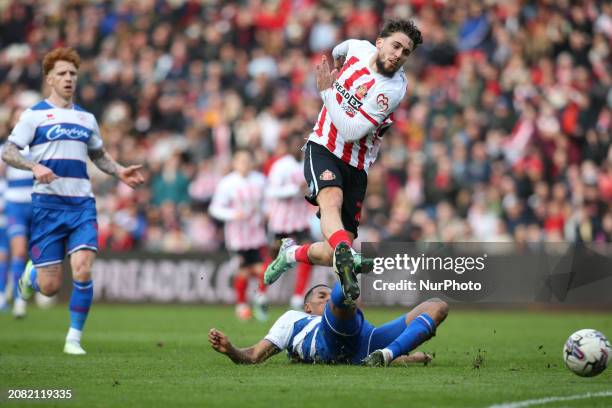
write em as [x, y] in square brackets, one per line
[60, 140]
[296, 332]
[19, 183]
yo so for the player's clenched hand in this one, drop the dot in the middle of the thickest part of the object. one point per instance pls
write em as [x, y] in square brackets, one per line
[131, 175]
[219, 341]
[43, 174]
[325, 79]
[338, 63]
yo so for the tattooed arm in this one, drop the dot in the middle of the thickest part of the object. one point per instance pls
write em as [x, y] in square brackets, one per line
[105, 162]
[129, 175]
[12, 157]
[258, 353]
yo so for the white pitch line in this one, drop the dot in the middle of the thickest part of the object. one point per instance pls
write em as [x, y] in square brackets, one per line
[528, 403]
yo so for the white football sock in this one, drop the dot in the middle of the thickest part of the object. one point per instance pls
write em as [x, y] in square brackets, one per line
[388, 354]
[290, 255]
[74, 335]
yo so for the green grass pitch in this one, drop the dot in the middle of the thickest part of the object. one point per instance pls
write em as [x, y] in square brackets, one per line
[158, 356]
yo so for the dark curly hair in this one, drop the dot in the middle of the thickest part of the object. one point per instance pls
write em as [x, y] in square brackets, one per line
[405, 26]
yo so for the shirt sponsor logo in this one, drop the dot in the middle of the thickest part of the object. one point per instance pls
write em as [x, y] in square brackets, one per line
[383, 102]
[352, 101]
[57, 131]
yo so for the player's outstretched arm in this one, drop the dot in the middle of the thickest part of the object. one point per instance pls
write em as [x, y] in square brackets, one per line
[353, 129]
[130, 175]
[258, 353]
[12, 156]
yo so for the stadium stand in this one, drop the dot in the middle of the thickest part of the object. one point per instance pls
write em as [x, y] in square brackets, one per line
[505, 133]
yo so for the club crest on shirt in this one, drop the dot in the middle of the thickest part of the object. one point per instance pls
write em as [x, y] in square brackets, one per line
[35, 252]
[361, 91]
[327, 175]
[82, 117]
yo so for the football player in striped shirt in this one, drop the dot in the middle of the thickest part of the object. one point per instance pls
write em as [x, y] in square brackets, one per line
[238, 201]
[18, 210]
[330, 330]
[289, 215]
[359, 98]
[61, 136]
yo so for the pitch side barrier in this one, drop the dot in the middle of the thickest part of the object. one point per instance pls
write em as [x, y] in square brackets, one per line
[144, 277]
[464, 274]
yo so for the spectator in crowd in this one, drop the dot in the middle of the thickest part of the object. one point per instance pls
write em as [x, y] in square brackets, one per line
[505, 131]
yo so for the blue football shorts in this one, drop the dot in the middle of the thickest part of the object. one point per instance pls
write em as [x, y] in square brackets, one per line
[351, 340]
[19, 219]
[56, 233]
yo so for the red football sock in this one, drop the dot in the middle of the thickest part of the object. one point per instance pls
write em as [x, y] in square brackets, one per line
[240, 286]
[260, 278]
[302, 277]
[301, 254]
[338, 237]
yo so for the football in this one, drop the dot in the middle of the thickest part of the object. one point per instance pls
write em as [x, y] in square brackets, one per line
[587, 352]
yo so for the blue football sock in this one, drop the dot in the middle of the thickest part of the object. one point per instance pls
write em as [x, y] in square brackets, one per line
[337, 297]
[80, 301]
[3, 275]
[17, 267]
[418, 331]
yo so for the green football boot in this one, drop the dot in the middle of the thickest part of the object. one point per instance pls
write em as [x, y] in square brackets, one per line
[279, 265]
[25, 286]
[344, 267]
[362, 265]
[375, 359]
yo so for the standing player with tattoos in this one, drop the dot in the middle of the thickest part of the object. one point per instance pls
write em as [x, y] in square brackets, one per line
[61, 136]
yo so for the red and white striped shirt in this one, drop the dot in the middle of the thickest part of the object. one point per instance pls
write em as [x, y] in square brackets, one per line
[358, 108]
[239, 202]
[287, 209]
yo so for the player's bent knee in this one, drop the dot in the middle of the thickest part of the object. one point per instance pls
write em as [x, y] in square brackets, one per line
[49, 288]
[330, 198]
[82, 274]
[81, 271]
[438, 309]
[327, 258]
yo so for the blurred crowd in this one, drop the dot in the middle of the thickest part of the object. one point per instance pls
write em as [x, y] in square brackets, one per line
[505, 133]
